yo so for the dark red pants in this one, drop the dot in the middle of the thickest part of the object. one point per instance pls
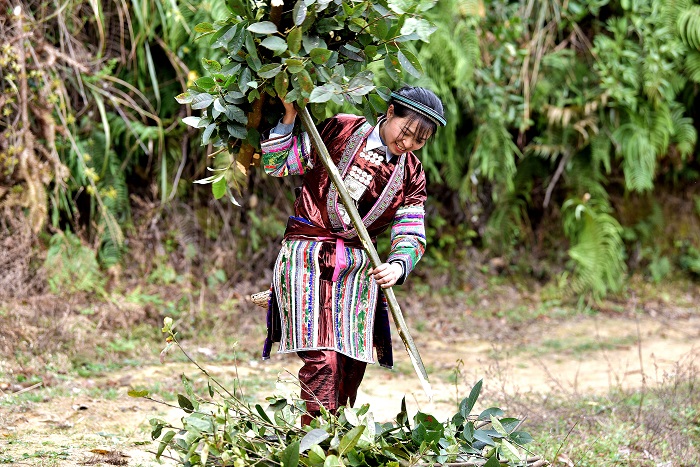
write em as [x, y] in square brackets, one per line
[330, 379]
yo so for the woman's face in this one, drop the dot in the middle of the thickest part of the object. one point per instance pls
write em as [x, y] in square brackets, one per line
[400, 134]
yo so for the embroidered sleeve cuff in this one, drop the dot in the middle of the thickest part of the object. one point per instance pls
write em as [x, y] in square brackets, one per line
[401, 279]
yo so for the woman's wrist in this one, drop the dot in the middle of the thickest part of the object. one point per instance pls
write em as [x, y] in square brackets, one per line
[289, 117]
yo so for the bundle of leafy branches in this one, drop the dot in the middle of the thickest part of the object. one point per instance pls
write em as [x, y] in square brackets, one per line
[220, 428]
[309, 52]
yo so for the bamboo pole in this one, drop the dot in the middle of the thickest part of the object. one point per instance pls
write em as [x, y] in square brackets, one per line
[401, 326]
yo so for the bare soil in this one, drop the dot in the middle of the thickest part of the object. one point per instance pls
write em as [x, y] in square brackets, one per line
[92, 421]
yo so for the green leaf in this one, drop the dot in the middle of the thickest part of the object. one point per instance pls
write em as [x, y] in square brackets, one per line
[191, 121]
[198, 422]
[212, 66]
[234, 113]
[491, 411]
[317, 455]
[468, 433]
[282, 84]
[164, 443]
[134, 393]
[320, 56]
[312, 42]
[350, 439]
[410, 63]
[290, 455]
[384, 93]
[294, 65]
[237, 7]
[299, 12]
[378, 104]
[208, 131]
[371, 51]
[223, 36]
[205, 82]
[218, 108]
[253, 138]
[234, 97]
[313, 438]
[520, 437]
[332, 461]
[204, 28]
[492, 462]
[467, 404]
[202, 101]
[368, 112]
[351, 416]
[254, 63]
[498, 427]
[263, 27]
[485, 436]
[157, 428]
[237, 131]
[353, 53]
[270, 70]
[511, 448]
[294, 40]
[250, 44]
[391, 64]
[323, 93]
[244, 78]
[185, 403]
[184, 98]
[274, 43]
[218, 189]
[234, 45]
[304, 79]
[360, 85]
[262, 413]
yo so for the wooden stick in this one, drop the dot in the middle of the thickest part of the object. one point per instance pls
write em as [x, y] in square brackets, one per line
[401, 326]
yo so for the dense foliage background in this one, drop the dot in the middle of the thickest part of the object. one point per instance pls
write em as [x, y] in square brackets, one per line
[570, 154]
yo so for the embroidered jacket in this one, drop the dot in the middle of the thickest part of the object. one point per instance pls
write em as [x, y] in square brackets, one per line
[390, 194]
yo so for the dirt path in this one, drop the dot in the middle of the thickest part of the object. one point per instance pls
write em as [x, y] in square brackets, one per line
[70, 423]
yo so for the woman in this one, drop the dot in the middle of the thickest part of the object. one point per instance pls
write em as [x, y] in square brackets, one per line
[326, 304]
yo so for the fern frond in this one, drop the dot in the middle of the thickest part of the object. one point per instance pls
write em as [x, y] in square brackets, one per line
[671, 10]
[71, 266]
[494, 153]
[639, 156]
[596, 247]
[685, 135]
[692, 65]
[661, 126]
[601, 152]
[582, 176]
[688, 27]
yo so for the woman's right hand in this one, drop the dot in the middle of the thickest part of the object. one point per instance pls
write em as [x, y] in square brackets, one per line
[290, 112]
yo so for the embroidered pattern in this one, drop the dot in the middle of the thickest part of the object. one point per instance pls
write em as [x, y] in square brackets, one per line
[408, 236]
[287, 155]
[384, 201]
[354, 302]
[336, 211]
[354, 142]
[354, 299]
[296, 276]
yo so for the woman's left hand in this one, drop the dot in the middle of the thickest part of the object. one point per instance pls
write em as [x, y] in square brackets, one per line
[387, 274]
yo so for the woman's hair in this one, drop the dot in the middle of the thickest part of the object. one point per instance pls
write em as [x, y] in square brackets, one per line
[426, 126]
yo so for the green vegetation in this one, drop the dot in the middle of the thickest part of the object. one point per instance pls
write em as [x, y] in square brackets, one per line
[220, 427]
